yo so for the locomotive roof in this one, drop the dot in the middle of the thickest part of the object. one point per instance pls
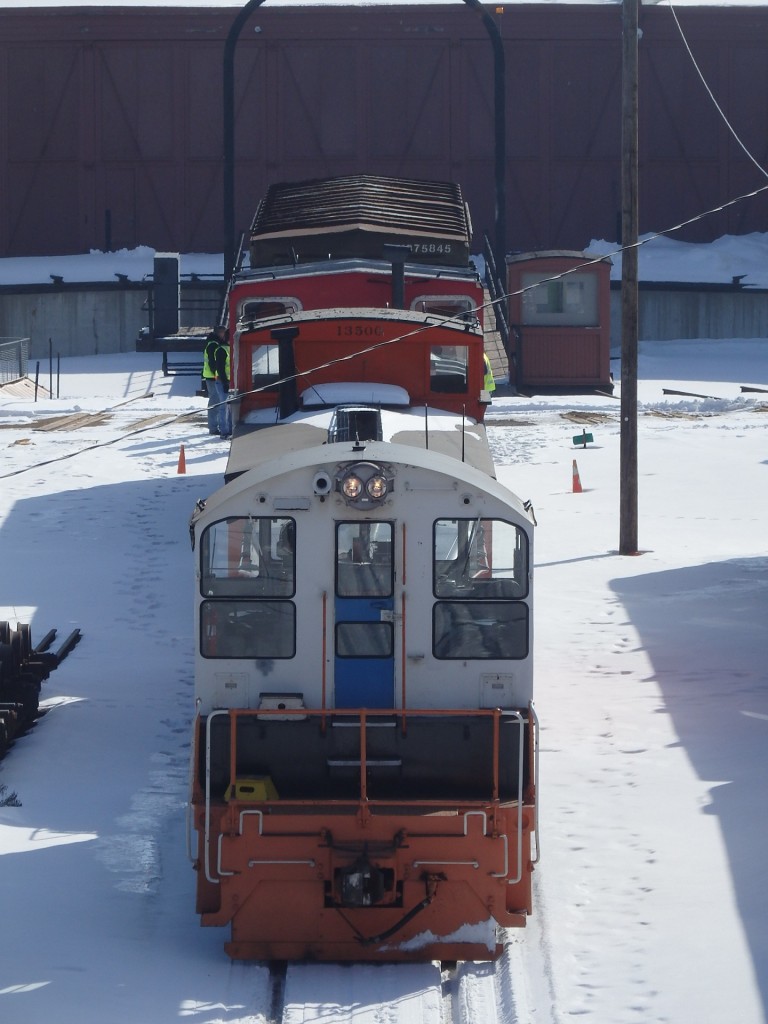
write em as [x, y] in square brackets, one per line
[356, 216]
[323, 267]
[556, 254]
[386, 315]
[306, 430]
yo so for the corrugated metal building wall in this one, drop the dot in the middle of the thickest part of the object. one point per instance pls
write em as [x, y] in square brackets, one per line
[111, 118]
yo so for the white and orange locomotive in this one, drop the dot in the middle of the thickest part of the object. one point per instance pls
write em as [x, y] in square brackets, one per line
[364, 751]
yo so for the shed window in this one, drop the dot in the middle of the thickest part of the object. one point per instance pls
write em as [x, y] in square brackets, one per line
[568, 301]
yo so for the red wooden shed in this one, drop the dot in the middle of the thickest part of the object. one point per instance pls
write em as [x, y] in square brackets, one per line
[559, 314]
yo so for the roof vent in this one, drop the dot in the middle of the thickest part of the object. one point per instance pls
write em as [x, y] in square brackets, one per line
[355, 423]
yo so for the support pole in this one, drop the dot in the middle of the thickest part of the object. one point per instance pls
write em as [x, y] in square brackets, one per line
[629, 304]
[499, 130]
[228, 124]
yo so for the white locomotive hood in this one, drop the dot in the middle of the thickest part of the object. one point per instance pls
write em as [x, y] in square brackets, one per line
[434, 430]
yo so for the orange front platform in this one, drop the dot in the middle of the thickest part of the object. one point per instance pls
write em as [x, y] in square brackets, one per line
[363, 883]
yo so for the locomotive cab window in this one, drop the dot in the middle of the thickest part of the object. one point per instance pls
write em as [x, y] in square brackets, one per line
[458, 306]
[248, 629]
[265, 365]
[479, 559]
[247, 569]
[364, 566]
[247, 556]
[464, 630]
[364, 639]
[480, 575]
[448, 369]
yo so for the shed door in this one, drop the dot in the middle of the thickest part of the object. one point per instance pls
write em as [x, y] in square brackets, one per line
[364, 635]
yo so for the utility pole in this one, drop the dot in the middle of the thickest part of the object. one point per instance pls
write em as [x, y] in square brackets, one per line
[629, 303]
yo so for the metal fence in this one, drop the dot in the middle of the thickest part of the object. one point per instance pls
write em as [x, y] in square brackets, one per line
[14, 355]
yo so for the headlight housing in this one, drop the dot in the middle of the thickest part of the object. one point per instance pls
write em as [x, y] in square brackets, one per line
[364, 484]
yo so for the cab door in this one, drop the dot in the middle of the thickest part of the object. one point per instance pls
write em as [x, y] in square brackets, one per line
[364, 632]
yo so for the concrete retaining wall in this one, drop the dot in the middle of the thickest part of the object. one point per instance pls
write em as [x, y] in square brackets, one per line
[81, 320]
[666, 313]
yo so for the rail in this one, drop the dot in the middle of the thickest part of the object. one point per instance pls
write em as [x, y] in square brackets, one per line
[497, 291]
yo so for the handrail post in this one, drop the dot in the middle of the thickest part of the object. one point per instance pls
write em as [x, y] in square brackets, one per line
[232, 749]
[363, 757]
[207, 837]
[496, 753]
[323, 655]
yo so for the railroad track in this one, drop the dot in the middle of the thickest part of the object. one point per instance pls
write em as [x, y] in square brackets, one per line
[429, 993]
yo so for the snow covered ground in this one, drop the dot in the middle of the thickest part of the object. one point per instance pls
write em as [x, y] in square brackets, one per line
[650, 898]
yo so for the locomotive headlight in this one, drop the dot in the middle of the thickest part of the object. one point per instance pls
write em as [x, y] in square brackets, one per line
[377, 487]
[352, 487]
[364, 484]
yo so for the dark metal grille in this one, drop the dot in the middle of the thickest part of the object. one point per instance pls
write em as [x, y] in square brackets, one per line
[355, 216]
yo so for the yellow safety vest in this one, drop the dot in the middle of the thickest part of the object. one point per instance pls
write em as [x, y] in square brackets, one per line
[209, 359]
[489, 384]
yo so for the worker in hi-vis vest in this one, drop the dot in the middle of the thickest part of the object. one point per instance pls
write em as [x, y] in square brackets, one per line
[222, 387]
[212, 342]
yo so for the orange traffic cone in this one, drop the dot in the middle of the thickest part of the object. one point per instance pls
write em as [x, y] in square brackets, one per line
[577, 488]
[182, 467]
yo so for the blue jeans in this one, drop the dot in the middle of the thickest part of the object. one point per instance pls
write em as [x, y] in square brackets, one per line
[225, 414]
[213, 412]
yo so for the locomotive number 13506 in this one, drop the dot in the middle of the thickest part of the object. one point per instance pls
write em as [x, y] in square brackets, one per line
[359, 331]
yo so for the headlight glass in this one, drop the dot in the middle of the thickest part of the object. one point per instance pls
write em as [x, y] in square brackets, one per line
[352, 487]
[377, 487]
